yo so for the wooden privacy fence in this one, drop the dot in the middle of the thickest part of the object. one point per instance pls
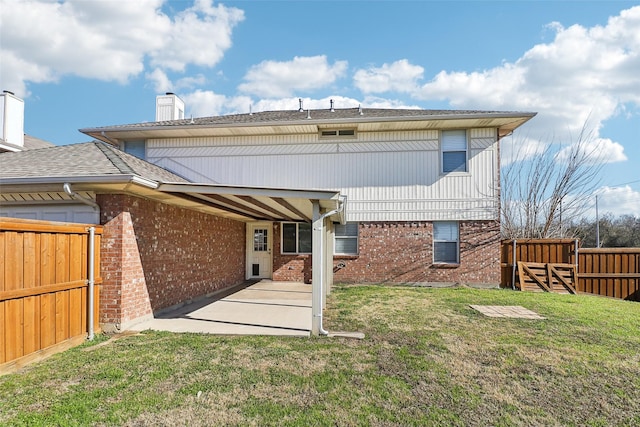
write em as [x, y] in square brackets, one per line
[612, 272]
[44, 277]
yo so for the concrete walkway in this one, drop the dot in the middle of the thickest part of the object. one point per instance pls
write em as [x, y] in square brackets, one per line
[263, 308]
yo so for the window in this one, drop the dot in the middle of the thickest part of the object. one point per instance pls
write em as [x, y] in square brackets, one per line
[454, 151]
[135, 148]
[296, 238]
[338, 133]
[445, 243]
[346, 239]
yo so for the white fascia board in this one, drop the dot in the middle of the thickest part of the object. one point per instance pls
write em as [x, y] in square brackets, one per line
[249, 191]
[102, 179]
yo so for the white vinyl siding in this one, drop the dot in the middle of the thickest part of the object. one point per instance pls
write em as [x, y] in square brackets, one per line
[387, 176]
[346, 239]
[296, 238]
[454, 151]
[446, 245]
[63, 213]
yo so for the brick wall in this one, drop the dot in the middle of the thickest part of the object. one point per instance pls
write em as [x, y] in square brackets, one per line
[183, 253]
[124, 297]
[403, 253]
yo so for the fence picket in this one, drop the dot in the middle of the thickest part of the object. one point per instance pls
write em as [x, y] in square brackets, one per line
[612, 272]
[43, 287]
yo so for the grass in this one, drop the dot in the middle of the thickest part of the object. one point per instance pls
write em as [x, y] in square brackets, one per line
[427, 359]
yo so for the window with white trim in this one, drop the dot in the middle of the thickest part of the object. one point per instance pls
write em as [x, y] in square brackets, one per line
[346, 239]
[446, 243]
[454, 151]
[296, 238]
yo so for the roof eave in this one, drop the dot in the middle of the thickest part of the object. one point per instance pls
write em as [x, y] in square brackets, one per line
[7, 183]
[102, 132]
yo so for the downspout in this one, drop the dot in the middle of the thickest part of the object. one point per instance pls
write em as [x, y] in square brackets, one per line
[321, 330]
[91, 274]
[90, 319]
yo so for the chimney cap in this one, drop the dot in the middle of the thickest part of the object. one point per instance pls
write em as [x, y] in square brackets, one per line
[169, 93]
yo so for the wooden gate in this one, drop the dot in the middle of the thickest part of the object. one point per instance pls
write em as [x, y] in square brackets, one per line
[44, 288]
[549, 277]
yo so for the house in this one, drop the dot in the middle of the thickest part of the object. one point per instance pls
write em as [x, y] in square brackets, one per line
[193, 206]
[423, 186]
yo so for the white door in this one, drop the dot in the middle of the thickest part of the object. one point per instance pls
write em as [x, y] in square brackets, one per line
[259, 244]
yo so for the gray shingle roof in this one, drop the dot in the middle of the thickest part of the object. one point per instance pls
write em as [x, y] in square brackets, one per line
[30, 143]
[76, 160]
[285, 116]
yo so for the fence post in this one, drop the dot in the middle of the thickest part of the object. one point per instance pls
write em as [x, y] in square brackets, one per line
[513, 266]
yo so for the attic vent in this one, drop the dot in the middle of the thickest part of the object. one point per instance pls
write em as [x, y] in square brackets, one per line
[338, 133]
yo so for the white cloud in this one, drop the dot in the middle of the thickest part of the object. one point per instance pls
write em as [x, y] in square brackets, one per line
[160, 80]
[43, 41]
[583, 75]
[398, 76]
[199, 35]
[617, 201]
[205, 103]
[596, 151]
[279, 79]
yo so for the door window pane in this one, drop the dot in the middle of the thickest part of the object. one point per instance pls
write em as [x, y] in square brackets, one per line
[260, 240]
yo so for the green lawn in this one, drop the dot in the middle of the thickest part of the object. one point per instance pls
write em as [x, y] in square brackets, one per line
[427, 359]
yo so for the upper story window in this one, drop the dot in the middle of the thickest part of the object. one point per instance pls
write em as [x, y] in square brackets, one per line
[346, 239]
[135, 148]
[296, 238]
[454, 151]
[446, 242]
[337, 133]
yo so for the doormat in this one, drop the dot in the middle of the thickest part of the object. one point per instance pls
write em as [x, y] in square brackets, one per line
[513, 311]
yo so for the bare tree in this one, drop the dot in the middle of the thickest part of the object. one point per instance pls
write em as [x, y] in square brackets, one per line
[540, 192]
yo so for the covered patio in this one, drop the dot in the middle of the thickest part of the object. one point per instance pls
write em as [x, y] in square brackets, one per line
[254, 308]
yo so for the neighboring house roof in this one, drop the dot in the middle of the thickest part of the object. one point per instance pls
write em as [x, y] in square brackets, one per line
[80, 160]
[30, 143]
[307, 121]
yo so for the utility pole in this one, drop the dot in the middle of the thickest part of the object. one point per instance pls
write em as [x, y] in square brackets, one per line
[597, 225]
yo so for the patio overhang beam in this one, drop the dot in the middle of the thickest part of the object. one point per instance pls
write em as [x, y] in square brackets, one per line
[210, 204]
[256, 203]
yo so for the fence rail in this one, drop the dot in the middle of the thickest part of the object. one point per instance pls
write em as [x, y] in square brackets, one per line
[612, 272]
[44, 286]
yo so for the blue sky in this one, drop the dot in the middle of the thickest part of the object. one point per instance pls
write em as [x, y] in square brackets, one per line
[82, 63]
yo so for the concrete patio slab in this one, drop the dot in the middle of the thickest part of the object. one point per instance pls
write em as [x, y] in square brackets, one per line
[262, 308]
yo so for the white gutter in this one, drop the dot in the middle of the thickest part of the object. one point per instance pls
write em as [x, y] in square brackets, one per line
[99, 179]
[318, 296]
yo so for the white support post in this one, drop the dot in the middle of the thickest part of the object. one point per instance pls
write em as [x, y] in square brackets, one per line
[316, 269]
